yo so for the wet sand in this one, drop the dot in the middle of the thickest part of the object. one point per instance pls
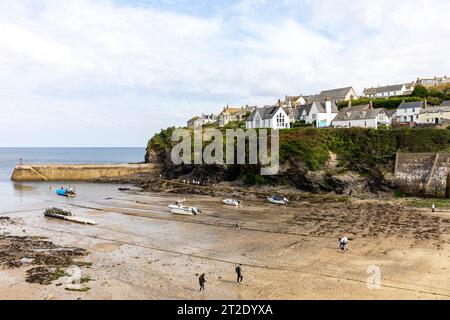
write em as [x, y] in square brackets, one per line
[139, 250]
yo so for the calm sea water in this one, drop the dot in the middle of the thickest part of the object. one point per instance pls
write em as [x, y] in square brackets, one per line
[15, 195]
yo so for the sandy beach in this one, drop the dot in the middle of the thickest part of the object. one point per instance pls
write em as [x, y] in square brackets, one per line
[138, 250]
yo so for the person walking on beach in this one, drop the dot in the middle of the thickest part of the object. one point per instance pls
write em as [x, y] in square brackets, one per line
[433, 208]
[343, 243]
[202, 282]
[239, 274]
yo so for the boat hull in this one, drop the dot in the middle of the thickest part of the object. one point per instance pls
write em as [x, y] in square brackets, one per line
[63, 193]
[280, 202]
[230, 202]
[186, 211]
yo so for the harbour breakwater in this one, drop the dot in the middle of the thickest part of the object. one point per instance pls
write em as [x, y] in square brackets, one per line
[423, 173]
[79, 172]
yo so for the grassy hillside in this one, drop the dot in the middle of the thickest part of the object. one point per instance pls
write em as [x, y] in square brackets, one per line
[357, 149]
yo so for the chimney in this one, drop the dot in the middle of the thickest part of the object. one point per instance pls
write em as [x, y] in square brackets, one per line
[279, 102]
[328, 106]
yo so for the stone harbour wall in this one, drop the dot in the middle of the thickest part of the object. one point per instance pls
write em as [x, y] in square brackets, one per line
[79, 172]
[423, 173]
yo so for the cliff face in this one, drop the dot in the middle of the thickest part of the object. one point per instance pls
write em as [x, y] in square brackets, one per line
[316, 160]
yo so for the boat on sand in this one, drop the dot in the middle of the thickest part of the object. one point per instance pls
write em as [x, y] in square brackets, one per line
[232, 202]
[65, 192]
[179, 208]
[278, 200]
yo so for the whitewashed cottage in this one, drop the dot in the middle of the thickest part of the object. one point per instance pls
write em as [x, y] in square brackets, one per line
[321, 114]
[363, 116]
[410, 111]
[273, 117]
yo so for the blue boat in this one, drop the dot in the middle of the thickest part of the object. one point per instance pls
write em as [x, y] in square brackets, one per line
[65, 192]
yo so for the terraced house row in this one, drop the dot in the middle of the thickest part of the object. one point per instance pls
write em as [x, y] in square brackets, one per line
[321, 110]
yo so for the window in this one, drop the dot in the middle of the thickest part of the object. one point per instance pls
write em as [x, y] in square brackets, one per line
[365, 123]
[280, 121]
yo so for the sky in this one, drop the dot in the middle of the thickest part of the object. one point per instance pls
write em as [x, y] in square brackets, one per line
[105, 73]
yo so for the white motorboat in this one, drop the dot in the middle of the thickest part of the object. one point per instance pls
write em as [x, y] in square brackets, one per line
[179, 208]
[278, 200]
[232, 202]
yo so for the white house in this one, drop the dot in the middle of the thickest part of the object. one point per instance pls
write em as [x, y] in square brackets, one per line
[388, 91]
[392, 115]
[363, 116]
[409, 111]
[273, 117]
[431, 82]
[319, 113]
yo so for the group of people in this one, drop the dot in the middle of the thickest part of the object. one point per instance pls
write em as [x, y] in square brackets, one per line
[202, 279]
[68, 190]
[194, 182]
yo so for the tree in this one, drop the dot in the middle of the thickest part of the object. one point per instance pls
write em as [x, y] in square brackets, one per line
[420, 91]
[434, 92]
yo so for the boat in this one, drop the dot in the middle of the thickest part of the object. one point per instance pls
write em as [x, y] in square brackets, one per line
[179, 208]
[66, 215]
[232, 202]
[278, 200]
[65, 192]
[124, 189]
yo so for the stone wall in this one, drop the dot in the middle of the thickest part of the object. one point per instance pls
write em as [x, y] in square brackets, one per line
[66, 172]
[423, 173]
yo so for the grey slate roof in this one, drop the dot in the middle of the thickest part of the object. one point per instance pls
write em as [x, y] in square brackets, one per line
[334, 94]
[306, 108]
[264, 113]
[390, 112]
[321, 107]
[445, 103]
[395, 87]
[410, 105]
[361, 112]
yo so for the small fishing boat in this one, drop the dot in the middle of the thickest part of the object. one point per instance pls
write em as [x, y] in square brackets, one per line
[179, 208]
[124, 189]
[65, 192]
[278, 200]
[66, 215]
[232, 202]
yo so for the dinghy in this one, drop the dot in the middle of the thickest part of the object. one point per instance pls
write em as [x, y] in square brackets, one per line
[278, 200]
[232, 202]
[65, 192]
[179, 208]
[124, 189]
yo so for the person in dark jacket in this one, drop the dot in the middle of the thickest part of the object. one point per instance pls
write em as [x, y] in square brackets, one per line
[240, 277]
[202, 282]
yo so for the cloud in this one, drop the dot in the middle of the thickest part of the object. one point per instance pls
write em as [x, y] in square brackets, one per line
[114, 72]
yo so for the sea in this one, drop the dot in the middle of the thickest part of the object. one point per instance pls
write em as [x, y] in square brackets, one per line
[20, 195]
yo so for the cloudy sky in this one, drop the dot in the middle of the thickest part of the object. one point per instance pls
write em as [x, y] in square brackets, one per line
[113, 72]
